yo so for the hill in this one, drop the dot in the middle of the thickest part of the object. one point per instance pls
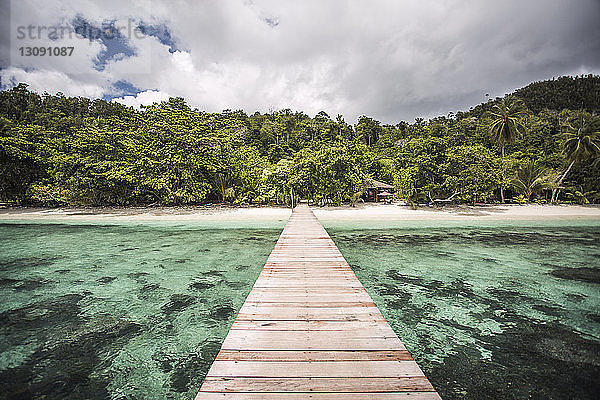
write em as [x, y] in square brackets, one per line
[565, 92]
[68, 150]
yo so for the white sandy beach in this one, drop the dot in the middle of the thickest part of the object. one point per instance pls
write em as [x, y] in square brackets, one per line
[385, 212]
[368, 212]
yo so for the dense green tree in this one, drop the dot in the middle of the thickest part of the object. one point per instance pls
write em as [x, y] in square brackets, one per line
[418, 168]
[531, 178]
[368, 130]
[329, 173]
[472, 172]
[582, 142]
[506, 125]
[176, 154]
[565, 92]
[20, 164]
[244, 170]
[56, 149]
[276, 183]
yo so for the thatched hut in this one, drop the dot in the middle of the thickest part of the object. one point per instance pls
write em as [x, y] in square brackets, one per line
[376, 190]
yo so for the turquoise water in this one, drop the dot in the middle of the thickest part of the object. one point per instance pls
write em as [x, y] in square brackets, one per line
[120, 311]
[490, 310]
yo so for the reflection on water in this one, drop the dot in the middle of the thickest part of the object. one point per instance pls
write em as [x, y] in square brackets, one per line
[96, 312]
[496, 312]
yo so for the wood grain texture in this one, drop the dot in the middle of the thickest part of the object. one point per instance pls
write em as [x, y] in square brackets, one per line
[315, 355]
[309, 329]
[328, 369]
[318, 396]
[312, 325]
[288, 384]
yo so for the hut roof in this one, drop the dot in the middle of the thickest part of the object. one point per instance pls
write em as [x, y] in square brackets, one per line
[372, 183]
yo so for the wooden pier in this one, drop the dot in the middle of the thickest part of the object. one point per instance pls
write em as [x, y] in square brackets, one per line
[309, 330]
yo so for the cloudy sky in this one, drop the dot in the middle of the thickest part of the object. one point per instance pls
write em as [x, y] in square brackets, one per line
[392, 60]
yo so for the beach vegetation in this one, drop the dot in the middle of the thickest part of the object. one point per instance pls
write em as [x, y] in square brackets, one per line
[581, 143]
[506, 126]
[59, 150]
[531, 178]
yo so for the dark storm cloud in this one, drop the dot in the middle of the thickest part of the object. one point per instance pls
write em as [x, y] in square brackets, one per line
[462, 53]
[393, 60]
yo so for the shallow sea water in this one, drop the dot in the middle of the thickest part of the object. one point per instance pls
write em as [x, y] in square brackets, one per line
[120, 311]
[138, 310]
[491, 310]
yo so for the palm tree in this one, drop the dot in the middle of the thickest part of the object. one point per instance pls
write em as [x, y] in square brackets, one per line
[580, 145]
[506, 125]
[531, 178]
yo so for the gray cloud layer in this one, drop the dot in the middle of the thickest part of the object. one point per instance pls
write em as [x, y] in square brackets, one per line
[392, 60]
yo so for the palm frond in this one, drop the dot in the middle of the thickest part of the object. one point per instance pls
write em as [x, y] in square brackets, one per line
[531, 178]
[506, 124]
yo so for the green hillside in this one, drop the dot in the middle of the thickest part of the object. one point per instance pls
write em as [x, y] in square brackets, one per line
[69, 150]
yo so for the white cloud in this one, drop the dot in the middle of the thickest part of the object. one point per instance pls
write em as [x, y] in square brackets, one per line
[53, 82]
[146, 98]
[388, 59]
[182, 62]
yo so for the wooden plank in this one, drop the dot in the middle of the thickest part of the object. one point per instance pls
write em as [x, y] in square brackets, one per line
[310, 315]
[311, 289]
[241, 384]
[309, 298]
[315, 343]
[303, 335]
[275, 310]
[295, 283]
[319, 396]
[312, 325]
[308, 325]
[315, 355]
[312, 304]
[295, 369]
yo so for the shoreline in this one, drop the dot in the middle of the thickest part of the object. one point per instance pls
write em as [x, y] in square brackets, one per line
[360, 213]
[468, 212]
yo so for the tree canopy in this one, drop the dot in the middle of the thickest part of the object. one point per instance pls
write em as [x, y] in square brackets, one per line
[58, 150]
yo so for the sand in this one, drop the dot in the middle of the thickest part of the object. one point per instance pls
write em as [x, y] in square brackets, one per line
[388, 212]
[361, 213]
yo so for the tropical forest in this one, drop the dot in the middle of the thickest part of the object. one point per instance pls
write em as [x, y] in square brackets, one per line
[540, 143]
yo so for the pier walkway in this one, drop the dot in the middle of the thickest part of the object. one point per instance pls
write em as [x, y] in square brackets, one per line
[308, 329]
